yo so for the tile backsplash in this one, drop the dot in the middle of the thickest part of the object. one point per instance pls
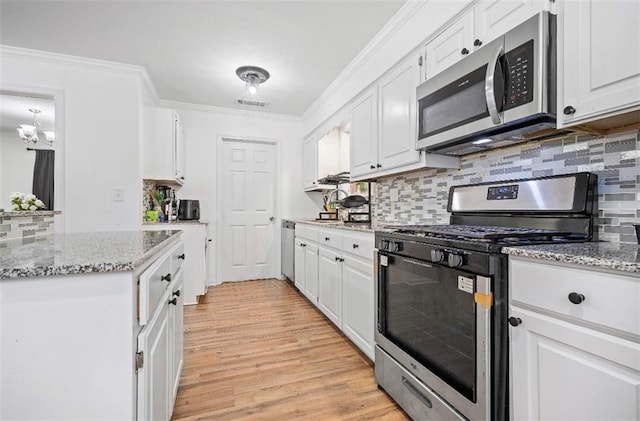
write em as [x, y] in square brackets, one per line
[421, 197]
[25, 227]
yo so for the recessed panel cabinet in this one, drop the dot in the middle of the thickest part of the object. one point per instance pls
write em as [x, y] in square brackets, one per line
[163, 153]
[310, 163]
[599, 59]
[486, 21]
[364, 134]
[573, 340]
[337, 277]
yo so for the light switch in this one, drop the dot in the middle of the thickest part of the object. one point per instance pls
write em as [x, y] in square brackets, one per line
[118, 195]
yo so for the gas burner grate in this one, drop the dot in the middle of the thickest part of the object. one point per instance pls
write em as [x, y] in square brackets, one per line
[511, 235]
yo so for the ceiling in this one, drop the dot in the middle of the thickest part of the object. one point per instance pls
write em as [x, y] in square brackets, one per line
[191, 49]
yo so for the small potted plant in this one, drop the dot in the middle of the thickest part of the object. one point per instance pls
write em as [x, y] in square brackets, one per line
[25, 202]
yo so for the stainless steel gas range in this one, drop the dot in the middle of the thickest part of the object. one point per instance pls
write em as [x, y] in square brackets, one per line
[441, 292]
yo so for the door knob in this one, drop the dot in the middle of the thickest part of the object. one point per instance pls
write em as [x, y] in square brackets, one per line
[272, 218]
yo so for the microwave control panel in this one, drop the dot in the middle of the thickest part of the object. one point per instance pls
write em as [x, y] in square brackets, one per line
[519, 76]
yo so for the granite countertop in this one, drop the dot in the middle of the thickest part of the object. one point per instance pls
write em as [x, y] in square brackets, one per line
[19, 214]
[177, 222]
[621, 257]
[357, 226]
[70, 253]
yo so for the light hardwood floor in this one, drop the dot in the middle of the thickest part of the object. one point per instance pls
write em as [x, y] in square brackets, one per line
[258, 350]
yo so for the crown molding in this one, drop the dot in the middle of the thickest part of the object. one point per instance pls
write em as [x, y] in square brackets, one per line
[402, 16]
[228, 111]
[85, 62]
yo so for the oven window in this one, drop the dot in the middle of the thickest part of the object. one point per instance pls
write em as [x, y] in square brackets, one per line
[427, 316]
[456, 104]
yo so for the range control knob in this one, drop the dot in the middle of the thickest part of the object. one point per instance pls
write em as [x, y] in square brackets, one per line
[455, 260]
[437, 256]
[384, 244]
[394, 247]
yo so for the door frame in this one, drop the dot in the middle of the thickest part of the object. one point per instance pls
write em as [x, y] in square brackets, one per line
[220, 139]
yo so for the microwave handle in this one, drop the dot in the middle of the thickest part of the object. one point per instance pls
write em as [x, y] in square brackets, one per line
[489, 87]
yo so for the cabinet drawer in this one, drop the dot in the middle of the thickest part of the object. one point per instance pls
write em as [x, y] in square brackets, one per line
[153, 284]
[311, 233]
[610, 300]
[177, 257]
[330, 238]
[359, 244]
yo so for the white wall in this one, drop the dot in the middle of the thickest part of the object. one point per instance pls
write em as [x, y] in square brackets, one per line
[16, 167]
[414, 23]
[202, 128]
[101, 133]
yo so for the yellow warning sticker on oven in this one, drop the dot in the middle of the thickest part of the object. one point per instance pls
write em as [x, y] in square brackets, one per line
[483, 300]
[465, 284]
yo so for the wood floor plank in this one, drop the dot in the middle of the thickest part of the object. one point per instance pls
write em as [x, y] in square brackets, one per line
[258, 350]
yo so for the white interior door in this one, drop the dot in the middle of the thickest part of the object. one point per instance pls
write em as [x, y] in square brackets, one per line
[248, 211]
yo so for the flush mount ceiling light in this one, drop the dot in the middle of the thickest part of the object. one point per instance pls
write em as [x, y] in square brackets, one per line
[29, 132]
[253, 76]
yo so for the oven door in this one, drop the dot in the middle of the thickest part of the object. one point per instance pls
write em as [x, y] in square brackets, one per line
[435, 321]
[464, 99]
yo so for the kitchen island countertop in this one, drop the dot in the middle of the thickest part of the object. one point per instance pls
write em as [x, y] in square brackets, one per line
[621, 257]
[71, 253]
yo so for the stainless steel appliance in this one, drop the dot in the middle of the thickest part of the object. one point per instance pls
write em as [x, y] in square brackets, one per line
[288, 249]
[501, 94]
[188, 209]
[441, 292]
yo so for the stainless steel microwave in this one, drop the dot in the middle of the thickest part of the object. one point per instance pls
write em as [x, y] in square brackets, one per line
[501, 94]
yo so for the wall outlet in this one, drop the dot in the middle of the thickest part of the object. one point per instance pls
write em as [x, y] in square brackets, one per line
[118, 195]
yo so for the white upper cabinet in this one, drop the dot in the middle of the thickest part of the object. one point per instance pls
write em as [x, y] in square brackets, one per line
[310, 162]
[488, 20]
[599, 59]
[163, 146]
[364, 134]
[453, 44]
[494, 18]
[397, 115]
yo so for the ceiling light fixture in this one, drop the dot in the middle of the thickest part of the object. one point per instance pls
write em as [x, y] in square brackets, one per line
[29, 132]
[253, 76]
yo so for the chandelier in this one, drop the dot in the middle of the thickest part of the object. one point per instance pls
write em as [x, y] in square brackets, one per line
[29, 132]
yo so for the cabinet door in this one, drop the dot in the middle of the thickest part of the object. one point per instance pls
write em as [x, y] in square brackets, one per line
[176, 326]
[310, 163]
[449, 47]
[364, 134]
[493, 18]
[397, 115]
[311, 273]
[358, 311]
[562, 371]
[154, 388]
[195, 266]
[299, 265]
[330, 285]
[600, 58]
[178, 149]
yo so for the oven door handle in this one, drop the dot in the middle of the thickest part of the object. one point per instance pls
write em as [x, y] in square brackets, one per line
[489, 90]
[415, 392]
[417, 262]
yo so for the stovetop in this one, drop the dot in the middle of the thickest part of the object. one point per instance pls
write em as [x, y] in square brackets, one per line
[481, 238]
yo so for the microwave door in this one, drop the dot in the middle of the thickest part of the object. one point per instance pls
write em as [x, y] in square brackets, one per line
[454, 102]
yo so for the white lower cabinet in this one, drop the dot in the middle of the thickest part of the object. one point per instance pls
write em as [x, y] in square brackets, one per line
[154, 374]
[570, 358]
[311, 272]
[358, 307]
[176, 335]
[330, 284]
[338, 278]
